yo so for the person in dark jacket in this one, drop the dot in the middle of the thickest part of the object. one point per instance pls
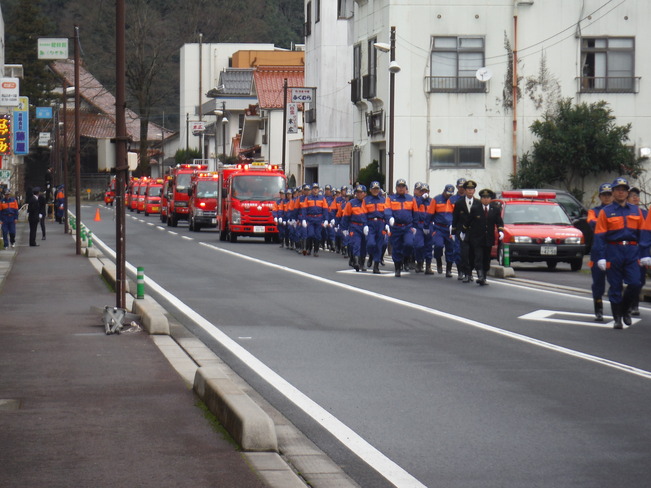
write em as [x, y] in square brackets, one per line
[34, 215]
[42, 209]
[460, 216]
[480, 228]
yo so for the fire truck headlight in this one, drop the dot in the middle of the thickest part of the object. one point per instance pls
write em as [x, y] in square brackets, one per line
[522, 239]
[237, 217]
[573, 240]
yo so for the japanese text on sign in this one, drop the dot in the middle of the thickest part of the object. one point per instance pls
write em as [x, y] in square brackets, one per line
[5, 134]
[301, 95]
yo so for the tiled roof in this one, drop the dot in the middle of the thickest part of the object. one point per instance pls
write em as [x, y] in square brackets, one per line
[94, 93]
[95, 126]
[269, 83]
[236, 81]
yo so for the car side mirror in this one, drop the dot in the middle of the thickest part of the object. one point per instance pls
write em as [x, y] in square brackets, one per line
[189, 192]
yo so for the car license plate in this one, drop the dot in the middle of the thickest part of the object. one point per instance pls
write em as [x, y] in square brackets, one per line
[155, 209]
[213, 221]
[258, 229]
[548, 250]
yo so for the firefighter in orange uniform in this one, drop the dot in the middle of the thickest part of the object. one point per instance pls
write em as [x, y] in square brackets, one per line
[354, 221]
[8, 217]
[314, 217]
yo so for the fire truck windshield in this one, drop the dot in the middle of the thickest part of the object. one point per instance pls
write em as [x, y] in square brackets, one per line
[183, 181]
[207, 189]
[257, 187]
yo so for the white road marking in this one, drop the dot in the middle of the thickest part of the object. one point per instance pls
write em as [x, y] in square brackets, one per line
[173, 233]
[150, 223]
[188, 238]
[552, 316]
[160, 228]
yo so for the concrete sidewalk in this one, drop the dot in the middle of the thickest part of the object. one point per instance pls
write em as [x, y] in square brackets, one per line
[80, 408]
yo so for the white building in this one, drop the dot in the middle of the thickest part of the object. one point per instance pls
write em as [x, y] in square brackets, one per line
[454, 115]
[209, 60]
[328, 138]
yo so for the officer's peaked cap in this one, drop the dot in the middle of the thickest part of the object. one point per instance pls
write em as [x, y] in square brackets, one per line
[469, 184]
[486, 193]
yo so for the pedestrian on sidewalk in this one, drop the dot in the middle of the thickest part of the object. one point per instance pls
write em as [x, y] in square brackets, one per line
[42, 210]
[34, 215]
[8, 217]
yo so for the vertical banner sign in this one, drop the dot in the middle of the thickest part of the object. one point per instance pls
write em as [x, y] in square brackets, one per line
[21, 128]
[5, 134]
[292, 118]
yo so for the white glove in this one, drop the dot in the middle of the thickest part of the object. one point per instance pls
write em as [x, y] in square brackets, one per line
[332, 222]
[602, 264]
[280, 220]
[40, 216]
[325, 223]
[451, 233]
[304, 224]
[501, 235]
[392, 221]
[425, 196]
[453, 237]
[646, 261]
[462, 235]
[426, 232]
[387, 228]
[413, 230]
[366, 231]
[275, 220]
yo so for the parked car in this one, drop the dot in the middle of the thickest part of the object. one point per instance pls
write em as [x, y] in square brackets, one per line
[574, 209]
[537, 229]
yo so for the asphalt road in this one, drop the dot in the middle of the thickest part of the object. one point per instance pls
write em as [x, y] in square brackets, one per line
[417, 381]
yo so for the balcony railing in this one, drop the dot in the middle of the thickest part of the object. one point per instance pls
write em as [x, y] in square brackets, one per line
[456, 84]
[609, 84]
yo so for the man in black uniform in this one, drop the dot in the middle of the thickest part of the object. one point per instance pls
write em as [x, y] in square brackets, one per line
[480, 232]
[459, 218]
[33, 215]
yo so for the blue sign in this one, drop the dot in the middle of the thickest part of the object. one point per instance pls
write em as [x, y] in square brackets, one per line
[43, 112]
[21, 131]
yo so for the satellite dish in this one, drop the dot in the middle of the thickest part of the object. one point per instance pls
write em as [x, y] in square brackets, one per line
[484, 74]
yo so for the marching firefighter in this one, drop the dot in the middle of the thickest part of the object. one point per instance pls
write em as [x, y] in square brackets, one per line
[616, 249]
[423, 235]
[8, 217]
[401, 212]
[441, 209]
[374, 207]
[598, 275]
[354, 222]
[314, 217]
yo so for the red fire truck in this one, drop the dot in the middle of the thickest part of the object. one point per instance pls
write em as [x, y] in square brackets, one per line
[203, 192]
[151, 205]
[246, 195]
[164, 200]
[177, 196]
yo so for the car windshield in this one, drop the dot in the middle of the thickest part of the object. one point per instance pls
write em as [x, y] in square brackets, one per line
[182, 181]
[207, 189]
[532, 213]
[257, 187]
[155, 191]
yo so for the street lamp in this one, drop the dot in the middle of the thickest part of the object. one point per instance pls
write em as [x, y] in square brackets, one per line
[221, 113]
[394, 68]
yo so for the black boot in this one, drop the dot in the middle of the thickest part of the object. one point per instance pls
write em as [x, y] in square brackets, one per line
[370, 262]
[398, 269]
[481, 278]
[467, 277]
[448, 270]
[356, 263]
[635, 306]
[460, 274]
[428, 267]
[376, 268]
[617, 315]
[598, 310]
[419, 267]
[439, 265]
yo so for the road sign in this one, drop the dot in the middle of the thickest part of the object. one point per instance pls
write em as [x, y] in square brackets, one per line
[43, 139]
[49, 48]
[5, 174]
[43, 112]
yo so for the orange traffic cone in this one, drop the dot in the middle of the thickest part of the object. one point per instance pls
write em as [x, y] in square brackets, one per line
[97, 216]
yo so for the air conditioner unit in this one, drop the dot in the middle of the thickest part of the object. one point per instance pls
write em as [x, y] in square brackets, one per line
[368, 86]
[355, 90]
[309, 116]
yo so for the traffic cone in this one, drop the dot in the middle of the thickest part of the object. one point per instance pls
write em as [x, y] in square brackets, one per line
[97, 216]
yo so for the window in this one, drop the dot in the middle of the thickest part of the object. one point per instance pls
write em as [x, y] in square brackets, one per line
[456, 157]
[356, 82]
[317, 11]
[307, 27]
[455, 60]
[369, 81]
[608, 64]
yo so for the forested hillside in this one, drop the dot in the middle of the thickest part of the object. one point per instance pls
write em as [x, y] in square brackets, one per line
[156, 29]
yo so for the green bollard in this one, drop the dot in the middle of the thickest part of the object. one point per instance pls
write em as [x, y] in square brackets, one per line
[140, 289]
[507, 256]
[83, 233]
[90, 239]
